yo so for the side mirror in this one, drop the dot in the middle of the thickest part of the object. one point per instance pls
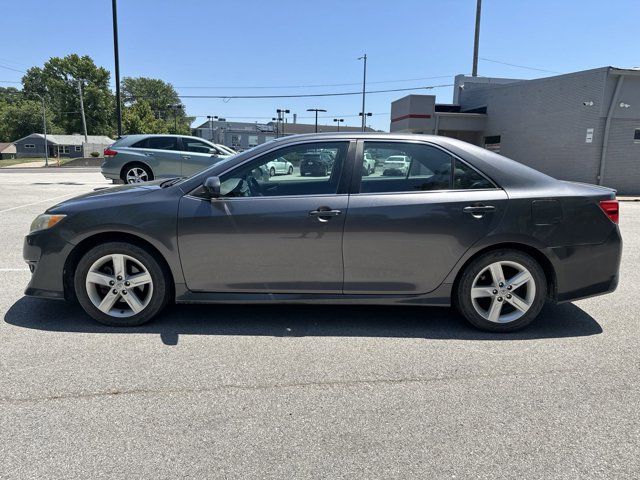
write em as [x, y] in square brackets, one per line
[212, 187]
[213, 151]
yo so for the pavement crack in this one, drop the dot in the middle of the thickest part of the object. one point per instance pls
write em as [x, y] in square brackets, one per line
[275, 385]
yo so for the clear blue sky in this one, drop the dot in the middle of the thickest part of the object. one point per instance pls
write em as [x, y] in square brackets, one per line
[253, 43]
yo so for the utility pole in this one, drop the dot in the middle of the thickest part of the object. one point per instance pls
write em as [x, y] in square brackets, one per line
[44, 129]
[476, 40]
[316, 110]
[364, 85]
[84, 120]
[116, 55]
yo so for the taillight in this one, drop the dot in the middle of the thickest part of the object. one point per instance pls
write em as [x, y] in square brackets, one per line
[109, 153]
[611, 209]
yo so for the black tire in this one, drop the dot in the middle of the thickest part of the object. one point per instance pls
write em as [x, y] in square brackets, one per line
[462, 296]
[161, 285]
[290, 171]
[272, 172]
[130, 166]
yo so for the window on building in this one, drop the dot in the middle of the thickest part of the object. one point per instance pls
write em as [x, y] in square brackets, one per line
[636, 135]
[253, 140]
[29, 145]
[64, 149]
[492, 143]
[236, 142]
[78, 148]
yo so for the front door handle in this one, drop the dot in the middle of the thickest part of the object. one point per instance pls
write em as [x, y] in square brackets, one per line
[186, 157]
[323, 213]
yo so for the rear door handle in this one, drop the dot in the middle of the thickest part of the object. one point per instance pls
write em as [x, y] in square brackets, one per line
[478, 209]
[186, 157]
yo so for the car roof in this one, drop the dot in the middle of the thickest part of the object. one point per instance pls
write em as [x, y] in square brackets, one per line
[127, 140]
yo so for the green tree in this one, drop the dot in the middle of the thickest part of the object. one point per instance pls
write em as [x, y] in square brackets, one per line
[139, 118]
[159, 95]
[22, 118]
[57, 81]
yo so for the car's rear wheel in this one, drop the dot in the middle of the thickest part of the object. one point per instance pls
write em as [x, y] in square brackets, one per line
[120, 284]
[137, 173]
[290, 171]
[501, 291]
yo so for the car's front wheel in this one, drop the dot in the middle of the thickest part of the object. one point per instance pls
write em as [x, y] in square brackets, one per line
[290, 171]
[501, 291]
[120, 284]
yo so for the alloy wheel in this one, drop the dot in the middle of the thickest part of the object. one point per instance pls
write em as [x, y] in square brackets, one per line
[503, 292]
[119, 285]
[137, 175]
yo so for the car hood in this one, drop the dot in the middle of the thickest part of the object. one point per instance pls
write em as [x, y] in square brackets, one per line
[118, 194]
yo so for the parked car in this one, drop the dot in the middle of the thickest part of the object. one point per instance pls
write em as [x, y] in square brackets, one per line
[396, 165]
[496, 239]
[279, 166]
[368, 164]
[316, 164]
[224, 148]
[141, 158]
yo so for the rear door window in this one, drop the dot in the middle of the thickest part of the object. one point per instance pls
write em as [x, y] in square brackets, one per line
[406, 167]
[162, 143]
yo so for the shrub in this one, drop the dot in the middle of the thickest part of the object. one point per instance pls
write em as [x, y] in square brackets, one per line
[95, 154]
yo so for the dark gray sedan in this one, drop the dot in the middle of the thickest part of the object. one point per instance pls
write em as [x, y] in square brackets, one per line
[461, 226]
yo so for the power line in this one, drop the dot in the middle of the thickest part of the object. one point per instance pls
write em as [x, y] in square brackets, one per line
[318, 85]
[519, 66]
[13, 69]
[308, 95]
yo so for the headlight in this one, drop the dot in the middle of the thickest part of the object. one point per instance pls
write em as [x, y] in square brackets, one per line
[44, 221]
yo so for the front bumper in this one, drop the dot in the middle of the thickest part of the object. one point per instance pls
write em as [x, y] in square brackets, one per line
[46, 254]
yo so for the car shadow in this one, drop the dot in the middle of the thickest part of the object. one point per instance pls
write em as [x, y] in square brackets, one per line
[555, 321]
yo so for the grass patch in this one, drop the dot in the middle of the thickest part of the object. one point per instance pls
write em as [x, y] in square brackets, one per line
[16, 161]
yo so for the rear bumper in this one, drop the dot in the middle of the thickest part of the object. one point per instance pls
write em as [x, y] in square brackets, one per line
[111, 170]
[46, 254]
[587, 270]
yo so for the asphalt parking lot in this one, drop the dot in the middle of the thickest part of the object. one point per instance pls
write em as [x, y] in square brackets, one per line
[310, 392]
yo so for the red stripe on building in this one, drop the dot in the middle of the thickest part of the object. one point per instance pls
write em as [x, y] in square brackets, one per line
[411, 115]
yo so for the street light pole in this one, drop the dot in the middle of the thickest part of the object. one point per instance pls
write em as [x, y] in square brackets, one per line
[175, 107]
[316, 110]
[338, 121]
[281, 116]
[116, 55]
[476, 40]
[364, 85]
[364, 116]
[211, 118]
